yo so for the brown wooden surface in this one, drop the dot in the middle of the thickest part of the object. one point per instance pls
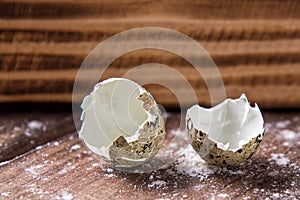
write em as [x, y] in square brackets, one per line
[63, 168]
[255, 44]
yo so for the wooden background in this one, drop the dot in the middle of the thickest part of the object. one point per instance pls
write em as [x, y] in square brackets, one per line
[255, 44]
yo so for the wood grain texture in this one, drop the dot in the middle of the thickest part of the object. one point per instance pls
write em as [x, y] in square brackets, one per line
[84, 30]
[257, 81]
[255, 44]
[204, 9]
[64, 169]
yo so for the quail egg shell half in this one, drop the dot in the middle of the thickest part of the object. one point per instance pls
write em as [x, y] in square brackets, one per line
[226, 134]
[122, 123]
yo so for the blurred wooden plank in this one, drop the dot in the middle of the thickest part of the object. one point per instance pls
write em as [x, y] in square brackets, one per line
[269, 97]
[65, 169]
[234, 73]
[204, 9]
[30, 85]
[261, 83]
[57, 35]
[85, 30]
[42, 56]
[213, 48]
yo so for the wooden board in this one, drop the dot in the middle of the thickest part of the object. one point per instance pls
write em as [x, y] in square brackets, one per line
[65, 169]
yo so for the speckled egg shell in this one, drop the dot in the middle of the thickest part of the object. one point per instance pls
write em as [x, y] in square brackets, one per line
[101, 133]
[209, 151]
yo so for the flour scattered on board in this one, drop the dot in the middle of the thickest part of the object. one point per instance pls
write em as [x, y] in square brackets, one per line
[157, 184]
[28, 132]
[288, 134]
[95, 165]
[223, 195]
[279, 159]
[276, 195]
[283, 124]
[109, 172]
[75, 147]
[282, 131]
[192, 165]
[5, 194]
[38, 147]
[55, 143]
[34, 170]
[273, 173]
[35, 189]
[65, 196]
[32, 126]
[189, 162]
[16, 129]
[36, 125]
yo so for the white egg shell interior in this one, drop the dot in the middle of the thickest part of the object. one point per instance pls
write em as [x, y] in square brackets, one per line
[111, 110]
[230, 124]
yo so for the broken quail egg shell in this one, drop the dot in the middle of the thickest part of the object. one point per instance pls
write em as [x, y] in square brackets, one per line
[121, 123]
[226, 134]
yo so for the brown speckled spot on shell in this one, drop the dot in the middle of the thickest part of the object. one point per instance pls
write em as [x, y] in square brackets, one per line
[200, 134]
[120, 142]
